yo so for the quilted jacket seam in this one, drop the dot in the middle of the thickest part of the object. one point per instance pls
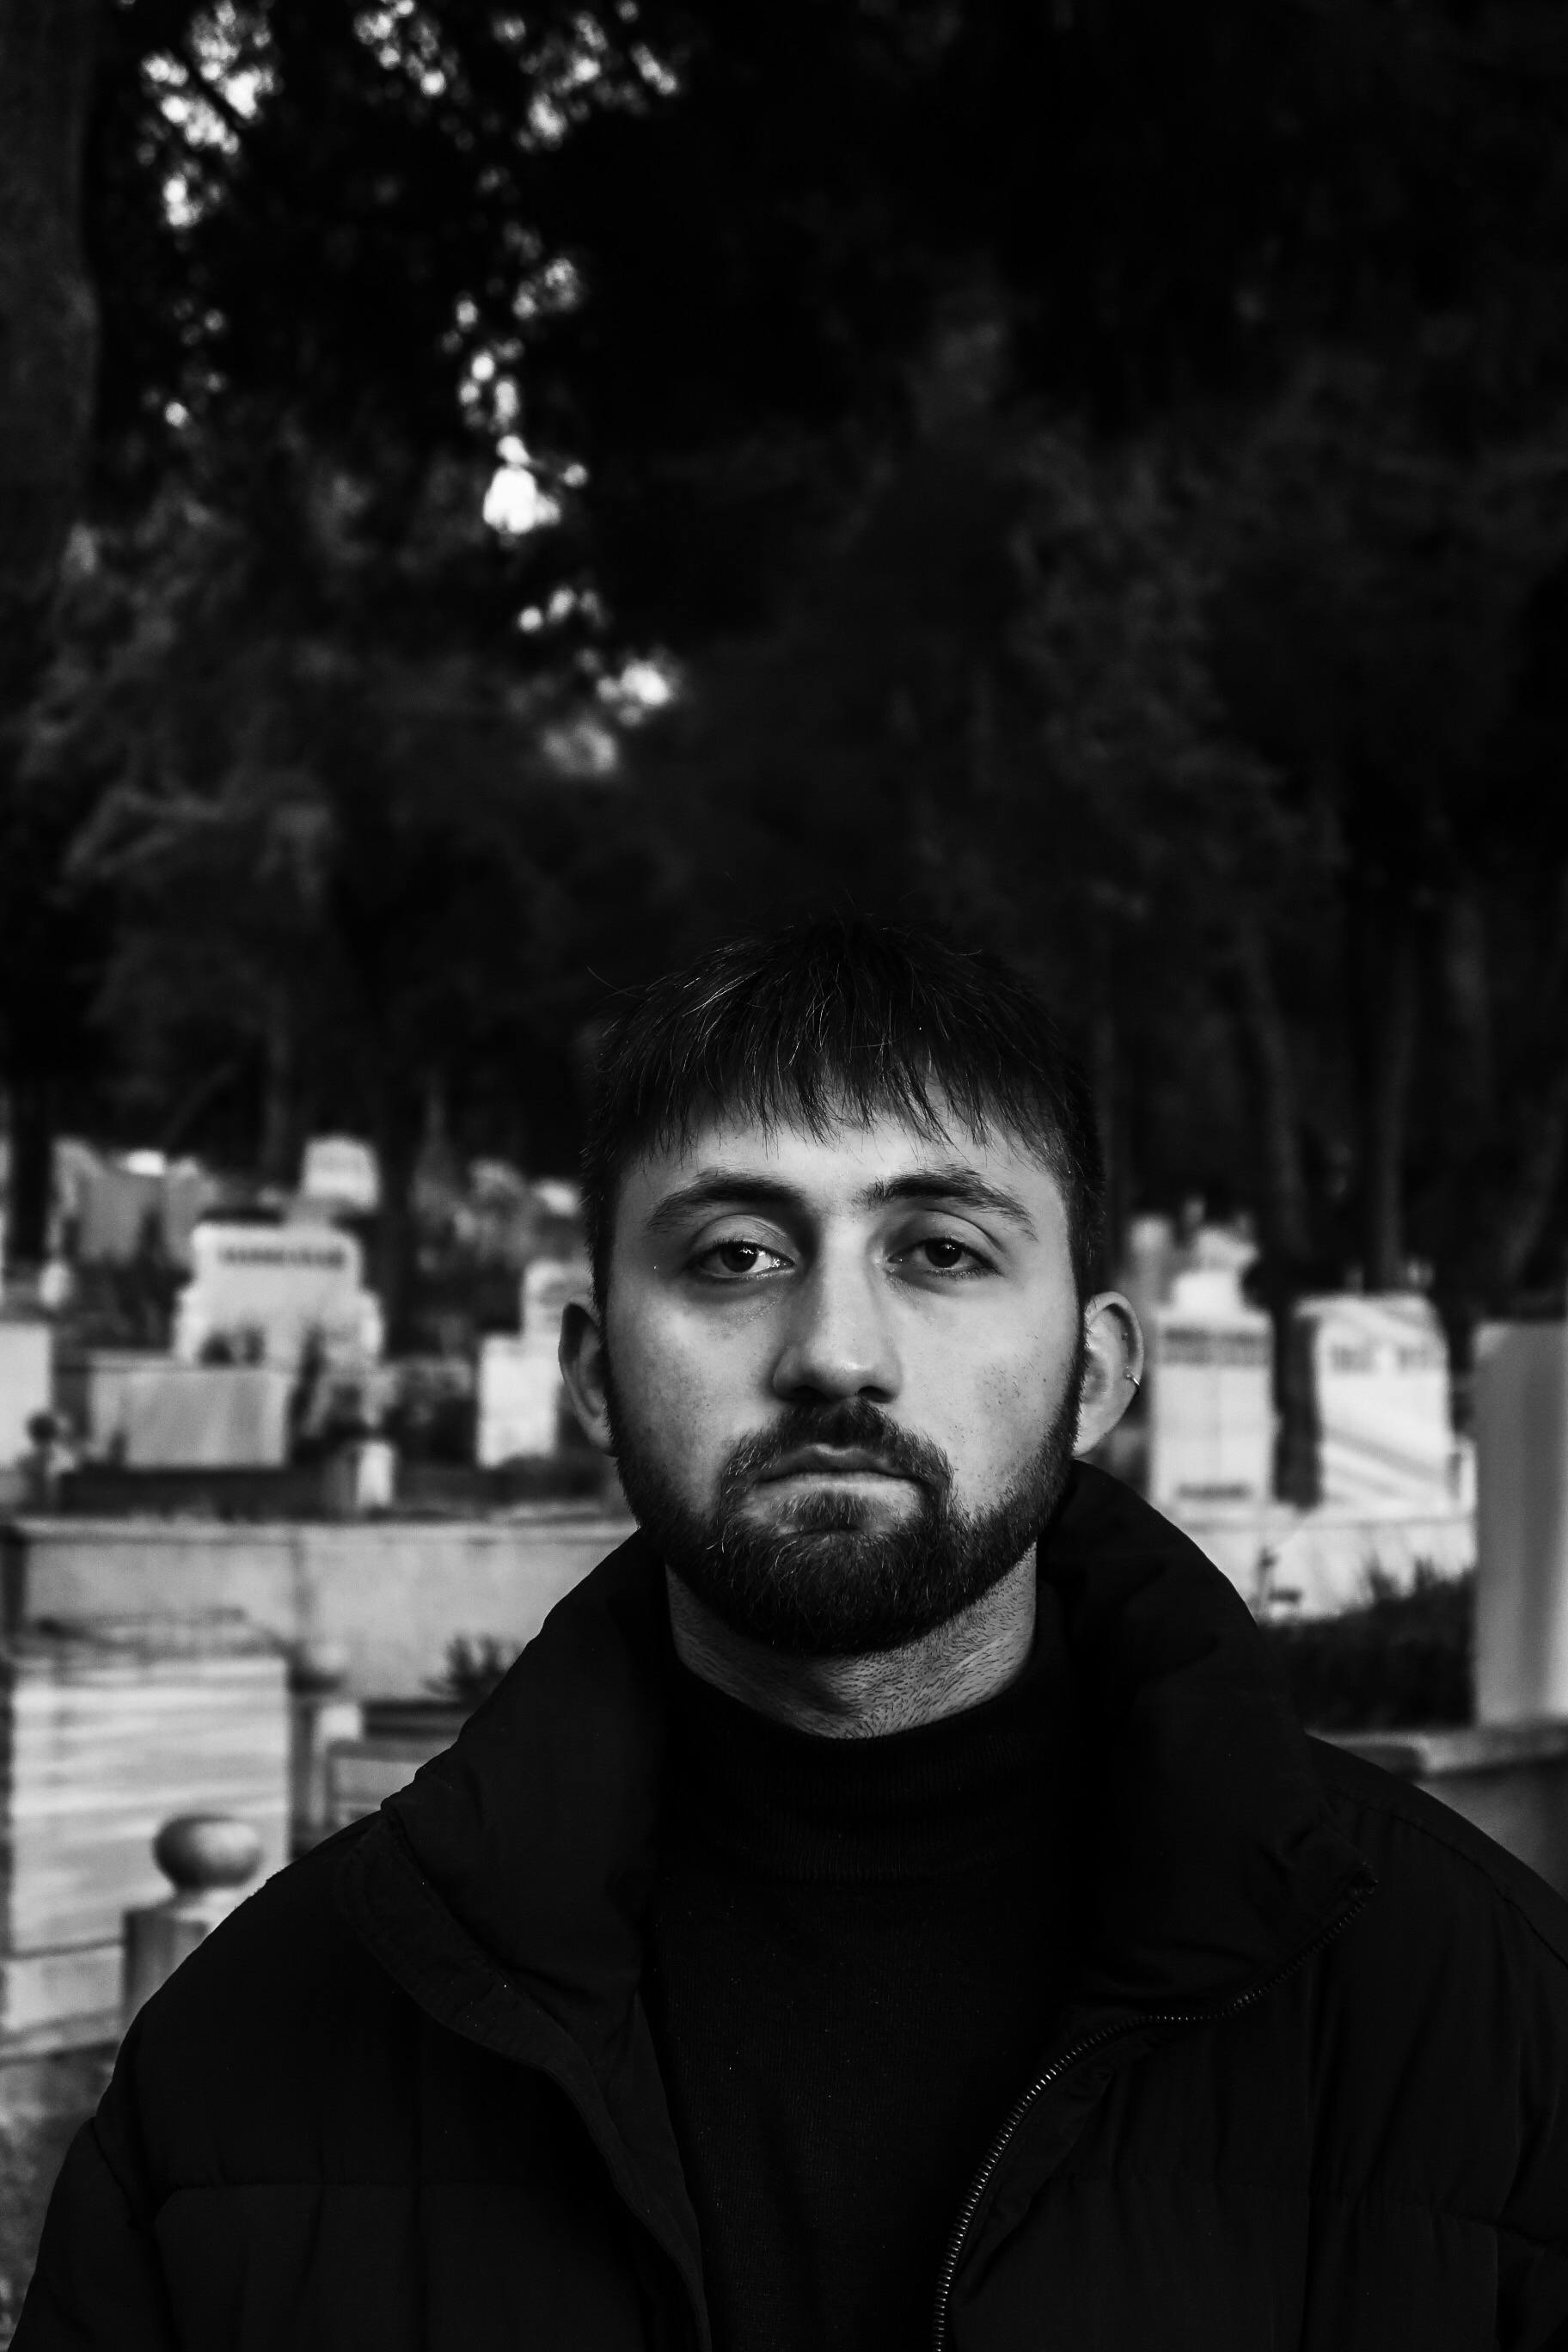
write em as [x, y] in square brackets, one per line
[1315, 2193]
[1374, 2193]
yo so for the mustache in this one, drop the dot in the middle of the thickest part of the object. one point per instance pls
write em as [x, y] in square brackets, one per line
[852, 1421]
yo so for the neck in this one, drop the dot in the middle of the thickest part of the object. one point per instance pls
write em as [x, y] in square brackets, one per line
[970, 1658]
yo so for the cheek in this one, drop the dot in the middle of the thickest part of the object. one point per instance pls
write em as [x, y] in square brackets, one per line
[672, 1394]
[1000, 1409]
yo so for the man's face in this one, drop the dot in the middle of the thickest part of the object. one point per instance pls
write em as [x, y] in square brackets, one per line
[842, 1372]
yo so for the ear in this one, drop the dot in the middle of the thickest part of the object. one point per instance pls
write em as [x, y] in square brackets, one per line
[1113, 1367]
[583, 1367]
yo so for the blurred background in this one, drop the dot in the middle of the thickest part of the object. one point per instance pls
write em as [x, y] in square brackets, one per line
[491, 501]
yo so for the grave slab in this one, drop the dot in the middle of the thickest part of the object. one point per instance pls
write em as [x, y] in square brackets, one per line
[107, 1728]
[24, 1383]
[391, 1594]
[157, 1414]
[1315, 1562]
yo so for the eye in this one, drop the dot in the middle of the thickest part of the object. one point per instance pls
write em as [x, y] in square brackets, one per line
[944, 1254]
[738, 1260]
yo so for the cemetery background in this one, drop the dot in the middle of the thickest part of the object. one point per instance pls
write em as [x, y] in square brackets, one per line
[487, 504]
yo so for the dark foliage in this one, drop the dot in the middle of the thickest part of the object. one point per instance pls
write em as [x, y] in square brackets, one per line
[1091, 468]
[473, 1668]
[1402, 1662]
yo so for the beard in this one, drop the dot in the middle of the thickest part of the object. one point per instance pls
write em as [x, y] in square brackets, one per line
[835, 1575]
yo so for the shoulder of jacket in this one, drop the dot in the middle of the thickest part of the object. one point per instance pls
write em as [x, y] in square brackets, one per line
[281, 1960]
[278, 2028]
[1414, 1841]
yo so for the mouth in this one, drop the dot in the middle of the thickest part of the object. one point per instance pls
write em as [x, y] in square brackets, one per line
[832, 1462]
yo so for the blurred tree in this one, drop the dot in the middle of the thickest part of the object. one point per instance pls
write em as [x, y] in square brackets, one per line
[48, 334]
[1244, 745]
[47, 315]
[349, 880]
[762, 310]
[1371, 638]
[992, 700]
[696, 250]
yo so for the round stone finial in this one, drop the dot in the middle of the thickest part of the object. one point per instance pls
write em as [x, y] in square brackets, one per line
[317, 1667]
[200, 1851]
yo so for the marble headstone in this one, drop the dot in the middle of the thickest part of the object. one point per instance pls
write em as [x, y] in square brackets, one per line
[270, 1287]
[340, 1170]
[1379, 1372]
[520, 1394]
[1211, 1406]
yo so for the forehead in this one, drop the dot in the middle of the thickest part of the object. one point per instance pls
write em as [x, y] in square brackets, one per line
[839, 1162]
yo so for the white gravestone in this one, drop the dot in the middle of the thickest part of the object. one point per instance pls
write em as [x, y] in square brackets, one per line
[117, 1205]
[277, 1287]
[24, 1385]
[521, 1394]
[1521, 1521]
[341, 1170]
[149, 1413]
[1211, 1395]
[1379, 1385]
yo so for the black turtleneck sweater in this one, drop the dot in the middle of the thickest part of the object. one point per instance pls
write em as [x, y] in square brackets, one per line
[856, 1949]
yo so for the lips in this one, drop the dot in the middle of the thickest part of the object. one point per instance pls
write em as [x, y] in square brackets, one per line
[839, 1461]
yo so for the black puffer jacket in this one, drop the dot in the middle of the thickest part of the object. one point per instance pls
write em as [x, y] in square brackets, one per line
[1312, 2091]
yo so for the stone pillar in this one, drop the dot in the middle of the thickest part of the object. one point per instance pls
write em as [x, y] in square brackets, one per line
[209, 1859]
[319, 1718]
[109, 1726]
[1521, 1522]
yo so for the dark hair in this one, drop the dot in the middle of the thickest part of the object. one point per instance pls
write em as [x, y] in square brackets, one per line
[836, 1016]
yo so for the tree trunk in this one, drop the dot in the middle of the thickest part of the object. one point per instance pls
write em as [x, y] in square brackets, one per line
[48, 317]
[1541, 1133]
[1519, 1219]
[1287, 1226]
[1468, 1011]
[1385, 1000]
[280, 1153]
[31, 1187]
[1104, 1061]
[47, 352]
[399, 1112]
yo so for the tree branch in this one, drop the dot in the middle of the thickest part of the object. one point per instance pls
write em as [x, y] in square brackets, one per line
[212, 92]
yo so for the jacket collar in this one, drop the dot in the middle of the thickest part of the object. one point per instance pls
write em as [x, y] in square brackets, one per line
[528, 1849]
[1216, 1860]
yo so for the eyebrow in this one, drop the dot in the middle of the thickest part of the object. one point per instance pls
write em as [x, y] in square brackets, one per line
[954, 1186]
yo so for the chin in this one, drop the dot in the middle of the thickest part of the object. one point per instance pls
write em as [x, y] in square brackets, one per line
[827, 1515]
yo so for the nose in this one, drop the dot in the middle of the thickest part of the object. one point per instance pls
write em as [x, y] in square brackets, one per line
[838, 1341]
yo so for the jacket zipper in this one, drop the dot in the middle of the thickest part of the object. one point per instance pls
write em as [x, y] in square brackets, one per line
[1093, 2041]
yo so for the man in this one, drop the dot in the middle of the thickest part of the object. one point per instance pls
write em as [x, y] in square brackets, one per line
[890, 1903]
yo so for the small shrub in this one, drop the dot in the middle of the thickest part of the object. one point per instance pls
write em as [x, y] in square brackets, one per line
[473, 1668]
[432, 1412]
[1401, 1661]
